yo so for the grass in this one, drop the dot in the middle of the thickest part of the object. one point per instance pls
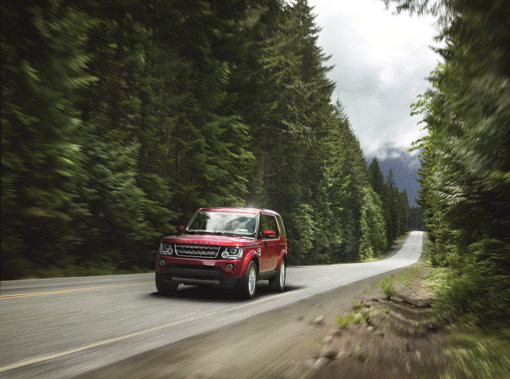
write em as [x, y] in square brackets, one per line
[436, 279]
[373, 259]
[358, 315]
[408, 276]
[474, 353]
[388, 286]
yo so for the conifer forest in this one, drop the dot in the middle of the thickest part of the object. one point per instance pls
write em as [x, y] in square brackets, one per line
[121, 118]
[465, 172]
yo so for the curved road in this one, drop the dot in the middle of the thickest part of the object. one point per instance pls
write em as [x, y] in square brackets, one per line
[63, 327]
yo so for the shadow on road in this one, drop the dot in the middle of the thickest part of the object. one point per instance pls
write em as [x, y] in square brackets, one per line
[215, 294]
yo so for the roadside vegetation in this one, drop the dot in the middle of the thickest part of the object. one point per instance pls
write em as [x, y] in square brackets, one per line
[391, 331]
[388, 286]
[473, 349]
[120, 119]
[465, 179]
[398, 329]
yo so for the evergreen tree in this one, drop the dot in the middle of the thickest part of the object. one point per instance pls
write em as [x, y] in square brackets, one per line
[120, 118]
[110, 110]
[416, 218]
[373, 233]
[464, 176]
[375, 177]
[42, 71]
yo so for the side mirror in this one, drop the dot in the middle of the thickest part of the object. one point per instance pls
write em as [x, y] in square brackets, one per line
[180, 229]
[269, 234]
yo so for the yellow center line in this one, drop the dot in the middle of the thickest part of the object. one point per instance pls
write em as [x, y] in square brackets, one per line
[56, 292]
[126, 336]
[47, 357]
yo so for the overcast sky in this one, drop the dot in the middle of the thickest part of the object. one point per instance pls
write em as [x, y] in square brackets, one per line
[381, 61]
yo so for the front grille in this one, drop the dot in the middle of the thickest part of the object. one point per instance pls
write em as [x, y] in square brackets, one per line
[197, 251]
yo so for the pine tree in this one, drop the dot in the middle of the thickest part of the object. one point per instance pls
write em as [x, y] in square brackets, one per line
[120, 118]
[375, 177]
[373, 233]
[42, 70]
[464, 176]
[110, 109]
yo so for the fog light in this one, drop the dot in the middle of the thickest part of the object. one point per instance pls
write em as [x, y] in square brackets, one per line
[162, 262]
[229, 266]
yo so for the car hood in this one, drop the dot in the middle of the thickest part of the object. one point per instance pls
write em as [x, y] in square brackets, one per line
[210, 239]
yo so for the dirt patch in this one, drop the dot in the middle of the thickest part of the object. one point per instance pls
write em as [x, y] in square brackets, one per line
[384, 338]
[379, 337]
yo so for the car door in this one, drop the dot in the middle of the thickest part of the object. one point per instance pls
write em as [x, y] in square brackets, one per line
[265, 254]
[271, 248]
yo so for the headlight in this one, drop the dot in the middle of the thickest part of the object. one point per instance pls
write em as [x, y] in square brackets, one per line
[165, 248]
[232, 252]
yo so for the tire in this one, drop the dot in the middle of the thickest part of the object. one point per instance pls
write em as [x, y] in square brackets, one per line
[247, 287]
[277, 282]
[165, 287]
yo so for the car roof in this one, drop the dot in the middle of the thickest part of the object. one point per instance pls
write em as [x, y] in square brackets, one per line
[237, 210]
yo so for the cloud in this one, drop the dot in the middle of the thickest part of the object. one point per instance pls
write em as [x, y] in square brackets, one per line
[381, 63]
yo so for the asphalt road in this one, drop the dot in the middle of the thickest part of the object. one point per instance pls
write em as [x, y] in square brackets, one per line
[63, 327]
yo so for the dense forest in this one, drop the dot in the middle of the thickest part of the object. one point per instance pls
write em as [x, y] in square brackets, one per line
[465, 174]
[121, 118]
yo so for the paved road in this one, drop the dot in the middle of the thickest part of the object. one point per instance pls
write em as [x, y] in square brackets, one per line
[63, 327]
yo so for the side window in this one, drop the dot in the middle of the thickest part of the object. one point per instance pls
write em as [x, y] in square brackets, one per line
[267, 223]
[263, 225]
[273, 226]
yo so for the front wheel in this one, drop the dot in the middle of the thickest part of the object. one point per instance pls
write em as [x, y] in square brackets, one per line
[277, 282]
[165, 287]
[248, 285]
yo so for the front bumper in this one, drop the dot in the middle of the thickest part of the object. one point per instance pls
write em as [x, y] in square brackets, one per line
[200, 271]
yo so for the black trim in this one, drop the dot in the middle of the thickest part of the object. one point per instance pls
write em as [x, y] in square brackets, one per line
[267, 275]
[202, 273]
[198, 275]
[196, 281]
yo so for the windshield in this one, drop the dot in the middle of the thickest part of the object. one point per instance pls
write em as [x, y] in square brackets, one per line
[241, 224]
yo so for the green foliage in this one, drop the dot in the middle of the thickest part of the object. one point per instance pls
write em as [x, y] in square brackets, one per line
[42, 71]
[394, 204]
[465, 191]
[477, 353]
[119, 119]
[416, 218]
[437, 279]
[375, 177]
[408, 276]
[388, 286]
[304, 233]
[475, 295]
[358, 315]
[373, 237]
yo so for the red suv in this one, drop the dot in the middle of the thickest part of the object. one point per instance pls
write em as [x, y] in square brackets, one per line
[229, 247]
